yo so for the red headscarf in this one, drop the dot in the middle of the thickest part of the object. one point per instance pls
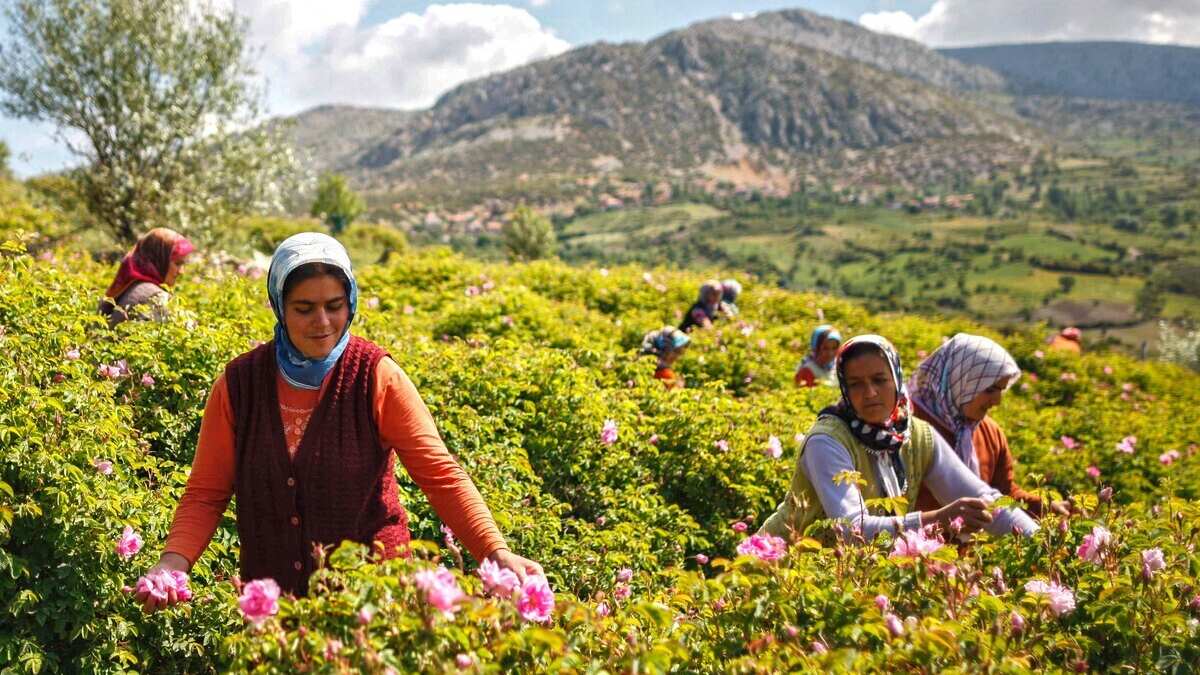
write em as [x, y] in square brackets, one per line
[150, 259]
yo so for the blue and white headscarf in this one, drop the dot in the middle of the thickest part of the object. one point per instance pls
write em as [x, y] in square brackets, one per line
[301, 249]
[819, 335]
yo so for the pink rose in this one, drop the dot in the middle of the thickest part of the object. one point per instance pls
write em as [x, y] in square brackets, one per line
[73, 354]
[914, 544]
[1093, 472]
[653, 440]
[497, 581]
[763, 546]
[129, 543]
[1093, 544]
[1068, 442]
[701, 559]
[608, 434]
[621, 591]
[1018, 623]
[722, 445]
[774, 448]
[365, 615]
[882, 602]
[1060, 598]
[535, 602]
[1127, 445]
[602, 609]
[332, 649]
[624, 575]
[259, 600]
[441, 589]
[103, 466]
[159, 584]
[1169, 457]
[894, 626]
[1152, 561]
[739, 526]
[409, 309]
[373, 302]
[463, 661]
[819, 647]
[147, 380]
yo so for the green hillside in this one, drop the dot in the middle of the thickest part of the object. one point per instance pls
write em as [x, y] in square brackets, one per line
[521, 366]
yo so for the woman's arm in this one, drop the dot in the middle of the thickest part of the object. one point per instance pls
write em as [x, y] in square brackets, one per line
[822, 459]
[951, 481]
[210, 485]
[406, 426]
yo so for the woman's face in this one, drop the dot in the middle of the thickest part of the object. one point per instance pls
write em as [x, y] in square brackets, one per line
[870, 386]
[827, 351]
[989, 398]
[173, 270]
[315, 314]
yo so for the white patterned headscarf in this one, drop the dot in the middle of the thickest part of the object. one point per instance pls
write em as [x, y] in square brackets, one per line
[952, 377]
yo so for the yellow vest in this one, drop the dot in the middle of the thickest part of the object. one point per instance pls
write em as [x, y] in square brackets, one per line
[802, 507]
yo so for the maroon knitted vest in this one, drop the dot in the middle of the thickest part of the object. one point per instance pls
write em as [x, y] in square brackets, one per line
[341, 484]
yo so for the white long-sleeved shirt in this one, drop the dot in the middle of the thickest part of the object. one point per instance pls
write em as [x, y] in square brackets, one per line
[947, 477]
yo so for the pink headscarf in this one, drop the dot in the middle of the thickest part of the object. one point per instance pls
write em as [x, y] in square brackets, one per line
[150, 259]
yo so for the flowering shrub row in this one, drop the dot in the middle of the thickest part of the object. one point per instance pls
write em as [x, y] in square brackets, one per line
[639, 501]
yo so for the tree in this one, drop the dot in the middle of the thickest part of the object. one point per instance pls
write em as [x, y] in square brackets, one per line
[1065, 283]
[155, 97]
[5, 154]
[528, 236]
[1150, 299]
[336, 203]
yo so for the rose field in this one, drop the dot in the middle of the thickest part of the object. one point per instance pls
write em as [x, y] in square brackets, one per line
[638, 501]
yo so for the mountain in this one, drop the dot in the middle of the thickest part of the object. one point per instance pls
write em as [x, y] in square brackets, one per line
[778, 96]
[1098, 70]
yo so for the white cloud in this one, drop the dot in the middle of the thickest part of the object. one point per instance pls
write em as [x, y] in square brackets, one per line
[538, 3]
[951, 23]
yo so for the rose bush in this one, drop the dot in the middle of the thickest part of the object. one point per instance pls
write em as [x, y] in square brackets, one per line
[638, 527]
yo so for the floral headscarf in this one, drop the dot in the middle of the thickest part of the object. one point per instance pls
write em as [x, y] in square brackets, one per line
[301, 249]
[149, 260]
[952, 377]
[892, 434]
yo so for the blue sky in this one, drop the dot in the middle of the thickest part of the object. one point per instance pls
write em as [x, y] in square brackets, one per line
[403, 54]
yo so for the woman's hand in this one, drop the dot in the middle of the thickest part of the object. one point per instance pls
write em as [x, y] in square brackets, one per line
[522, 567]
[1062, 507]
[975, 513]
[168, 561]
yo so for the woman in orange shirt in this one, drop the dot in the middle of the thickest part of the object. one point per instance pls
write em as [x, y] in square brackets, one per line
[667, 344]
[305, 429]
[953, 390]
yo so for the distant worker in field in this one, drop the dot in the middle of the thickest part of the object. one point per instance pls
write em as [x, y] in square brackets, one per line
[817, 367]
[305, 430]
[706, 309]
[667, 343]
[871, 431]
[953, 390]
[144, 276]
[730, 290]
[1069, 339]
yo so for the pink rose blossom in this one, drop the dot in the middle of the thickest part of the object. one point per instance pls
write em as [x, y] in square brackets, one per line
[373, 302]
[739, 526]
[441, 589]
[1093, 472]
[73, 354]
[894, 625]
[497, 581]
[914, 544]
[624, 574]
[365, 615]
[1067, 377]
[1127, 445]
[764, 547]
[1018, 623]
[463, 661]
[701, 559]
[774, 448]
[259, 600]
[722, 445]
[103, 466]
[1068, 442]
[1127, 387]
[621, 591]
[409, 309]
[147, 380]
[535, 601]
[1169, 457]
[882, 602]
[1108, 370]
[762, 344]
[602, 609]
[159, 584]
[1093, 544]
[600, 521]
[1039, 354]
[1061, 598]
[603, 271]
[608, 434]
[1152, 561]
[653, 440]
[129, 543]
[473, 291]
[1106, 493]
[956, 525]
[332, 649]
[819, 647]
[506, 320]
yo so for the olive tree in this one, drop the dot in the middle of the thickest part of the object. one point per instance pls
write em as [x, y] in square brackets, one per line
[336, 203]
[527, 235]
[156, 98]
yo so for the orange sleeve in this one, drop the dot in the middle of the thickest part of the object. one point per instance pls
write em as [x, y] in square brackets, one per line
[804, 378]
[1002, 473]
[406, 426]
[210, 484]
